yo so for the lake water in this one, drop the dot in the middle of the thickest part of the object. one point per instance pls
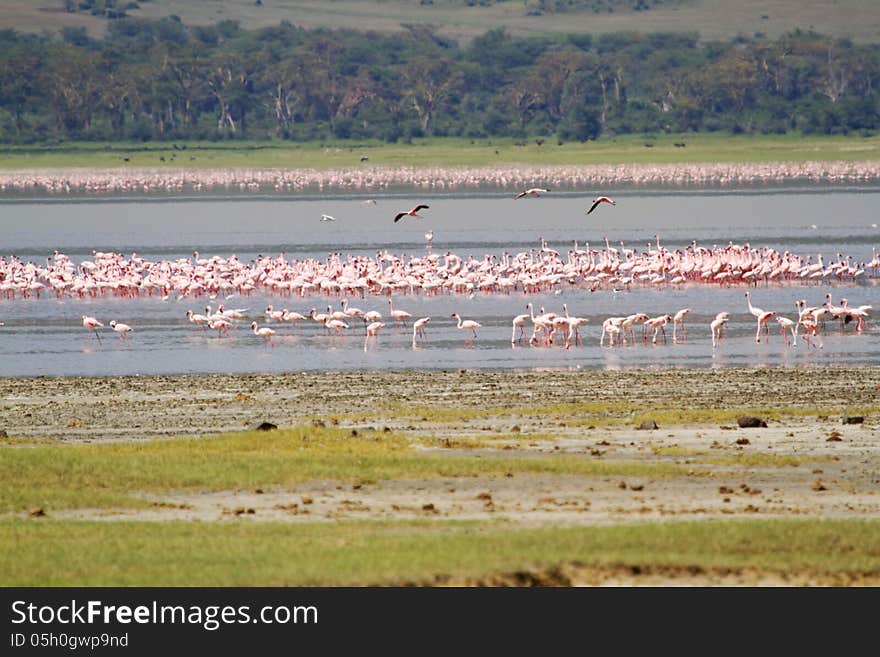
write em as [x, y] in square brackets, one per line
[45, 336]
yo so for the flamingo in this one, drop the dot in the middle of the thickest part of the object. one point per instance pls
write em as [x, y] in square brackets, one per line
[429, 237]
[219, 324]
[411, 213]
[92, 323]
[467, 324]
[717, 326]
[195, 318]
[400, 316]
[659, 325]
[351, 311]
[327, 217]
[786, 323]
[122, 329]
[373, 332]
[265, 332]
[335, 324]
[598, 200]
[272, 314]
[419, 327]
[677, 319]
[763, 316]
[519, 322]
[534, 191]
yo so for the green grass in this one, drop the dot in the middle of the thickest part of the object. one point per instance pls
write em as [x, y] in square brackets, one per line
[713, 19]
[237, 553]
[584, 414]
[444, 152]
[111, 475]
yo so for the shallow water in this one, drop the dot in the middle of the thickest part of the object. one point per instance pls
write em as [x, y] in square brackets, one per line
[45, 336]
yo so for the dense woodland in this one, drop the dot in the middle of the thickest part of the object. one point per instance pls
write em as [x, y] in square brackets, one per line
[163, 80]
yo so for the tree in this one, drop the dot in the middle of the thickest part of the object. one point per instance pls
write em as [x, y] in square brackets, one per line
[429, 83]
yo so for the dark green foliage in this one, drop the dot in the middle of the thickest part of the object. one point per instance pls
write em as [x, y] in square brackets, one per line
[164, 80]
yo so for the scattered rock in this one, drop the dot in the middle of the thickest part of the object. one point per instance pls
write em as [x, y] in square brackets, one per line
[3, 433]
[744, 441]
[834, 437]
[853, 419]
[750, 422]
[725, 490]
[37, 513]
[265, 426]
[259, 491]
[318, 423]
[819, 486]
[639, 487]
[515, 428]
[647, 425]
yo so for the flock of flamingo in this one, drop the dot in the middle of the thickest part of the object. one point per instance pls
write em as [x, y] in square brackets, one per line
[548, 328]
[376, 178]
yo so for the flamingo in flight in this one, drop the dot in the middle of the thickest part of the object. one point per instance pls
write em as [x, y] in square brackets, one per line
[327, 217]
[411, 213]
[598, 200]
[534, 191]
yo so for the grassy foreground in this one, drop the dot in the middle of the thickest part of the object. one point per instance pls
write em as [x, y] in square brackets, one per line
[444, 152]
[74, 553]
[111, 475]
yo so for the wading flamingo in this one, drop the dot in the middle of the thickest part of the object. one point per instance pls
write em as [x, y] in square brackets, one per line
[265, 332]
[467, 324]
[717, 327]
[400, 316]
[92, 323]
[122, 329]
[677, 319]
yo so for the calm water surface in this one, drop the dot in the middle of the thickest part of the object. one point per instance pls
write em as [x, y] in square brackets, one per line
[45, 336]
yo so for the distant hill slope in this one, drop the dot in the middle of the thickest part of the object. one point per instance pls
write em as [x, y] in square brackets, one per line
[858, 20]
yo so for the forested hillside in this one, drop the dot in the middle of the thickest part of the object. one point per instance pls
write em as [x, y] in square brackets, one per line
[164, 80]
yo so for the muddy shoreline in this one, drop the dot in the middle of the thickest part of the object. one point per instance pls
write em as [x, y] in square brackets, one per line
[142, 407]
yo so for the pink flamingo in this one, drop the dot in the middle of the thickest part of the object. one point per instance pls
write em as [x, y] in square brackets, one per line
[598, 200]
[198, 320]
[677, 319]
[659, 325]
[400, 316]
[467, 324]
[519, 322]
[786, 323]
[265, 332]
[122, 329]
[419, 327]
[534, 191]
[410, 213]
[92, 323]
[717, 326]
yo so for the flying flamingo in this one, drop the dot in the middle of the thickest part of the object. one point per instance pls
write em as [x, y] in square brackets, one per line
[467, 324]
[400, 316]
[677, 319]
[92, 323]
[265, 332]
[411, 213]
[122, 329]
[598, 200]
[534, 191]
